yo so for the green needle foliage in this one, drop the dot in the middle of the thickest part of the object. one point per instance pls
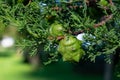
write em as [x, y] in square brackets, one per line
[33, 19]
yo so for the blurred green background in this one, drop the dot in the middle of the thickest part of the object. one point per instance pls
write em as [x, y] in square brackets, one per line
[13, 68]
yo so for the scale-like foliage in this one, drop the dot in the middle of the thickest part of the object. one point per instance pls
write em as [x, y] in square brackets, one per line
[99, 20]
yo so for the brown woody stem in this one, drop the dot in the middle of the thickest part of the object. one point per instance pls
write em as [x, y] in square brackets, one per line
[110, 1]
[106, 18]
